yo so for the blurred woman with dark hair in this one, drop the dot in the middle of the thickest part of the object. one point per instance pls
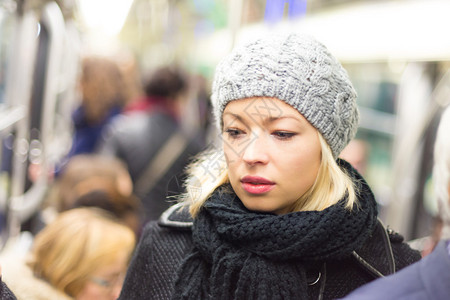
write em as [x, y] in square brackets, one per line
[163, 88]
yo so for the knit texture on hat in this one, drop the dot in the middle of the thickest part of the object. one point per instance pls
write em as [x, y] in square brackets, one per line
[298, 70]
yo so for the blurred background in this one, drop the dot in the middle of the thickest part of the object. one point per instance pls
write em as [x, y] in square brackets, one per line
[397, 54]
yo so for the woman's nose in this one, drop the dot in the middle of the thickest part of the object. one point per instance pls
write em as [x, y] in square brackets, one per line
[256, 151]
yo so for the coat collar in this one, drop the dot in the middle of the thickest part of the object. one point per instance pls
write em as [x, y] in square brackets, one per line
[379, 242]
[177, 216]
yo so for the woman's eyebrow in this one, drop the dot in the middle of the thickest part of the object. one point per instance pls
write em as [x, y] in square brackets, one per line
[266, 119]
[236, 116]
[274, 119]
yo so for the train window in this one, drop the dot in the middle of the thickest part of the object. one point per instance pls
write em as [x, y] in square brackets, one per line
[6, 32]
[377, 88]
[6, 117]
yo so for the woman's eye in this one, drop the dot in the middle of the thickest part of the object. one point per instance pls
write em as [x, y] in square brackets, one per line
[283, 135]
[234, 133]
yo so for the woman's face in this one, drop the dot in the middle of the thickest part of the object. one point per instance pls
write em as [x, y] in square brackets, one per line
[107, 281]
[273, 153]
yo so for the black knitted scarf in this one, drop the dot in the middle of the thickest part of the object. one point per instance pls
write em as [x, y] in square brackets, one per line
[240, 254]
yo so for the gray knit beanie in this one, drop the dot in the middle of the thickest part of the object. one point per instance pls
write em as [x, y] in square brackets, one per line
[298, 70]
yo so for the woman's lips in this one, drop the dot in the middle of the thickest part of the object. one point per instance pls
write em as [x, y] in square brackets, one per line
[257, 185]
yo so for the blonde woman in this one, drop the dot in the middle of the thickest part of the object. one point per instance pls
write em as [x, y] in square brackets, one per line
[83, 254]
[273, 214]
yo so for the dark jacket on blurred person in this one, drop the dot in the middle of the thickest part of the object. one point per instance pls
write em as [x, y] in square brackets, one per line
[87, 134]
[138, 136]
[165, 244]
[426, 279]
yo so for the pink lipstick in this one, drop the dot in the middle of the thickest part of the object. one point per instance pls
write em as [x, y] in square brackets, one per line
[257, 185]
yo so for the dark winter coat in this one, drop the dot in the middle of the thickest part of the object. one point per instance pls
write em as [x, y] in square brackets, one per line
[164, 244]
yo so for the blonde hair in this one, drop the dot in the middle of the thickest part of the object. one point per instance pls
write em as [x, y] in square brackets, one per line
[209, 171]
[68, 251]
[331, 185]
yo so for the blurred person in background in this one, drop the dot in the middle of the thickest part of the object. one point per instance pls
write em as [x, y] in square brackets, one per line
[430, 277]
[103, 96]
[150, 140]
[98, 181]
[83, 255]
[273, 213]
